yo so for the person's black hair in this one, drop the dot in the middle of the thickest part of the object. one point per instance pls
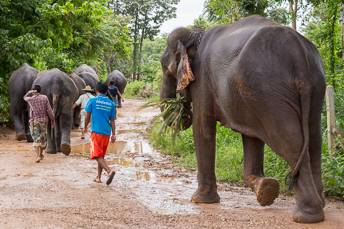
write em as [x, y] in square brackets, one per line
[37, 88]
[102, 88]
[112, 82]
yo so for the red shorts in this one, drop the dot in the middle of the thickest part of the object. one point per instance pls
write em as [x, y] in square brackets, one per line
[99, 144]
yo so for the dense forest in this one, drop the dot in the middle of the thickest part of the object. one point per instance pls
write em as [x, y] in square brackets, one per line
[125, 35]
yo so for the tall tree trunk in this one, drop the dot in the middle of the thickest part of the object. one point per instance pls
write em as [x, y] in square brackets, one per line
[333, 16]
[293, 8]
[143, 34]
[136, 31]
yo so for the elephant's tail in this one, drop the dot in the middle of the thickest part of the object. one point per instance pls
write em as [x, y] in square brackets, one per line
[56, 99]
[305, 99]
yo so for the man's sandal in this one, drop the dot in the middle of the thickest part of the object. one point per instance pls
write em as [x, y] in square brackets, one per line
[111, 176]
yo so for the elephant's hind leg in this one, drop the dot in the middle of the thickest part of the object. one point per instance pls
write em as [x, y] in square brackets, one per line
[266, 189]
[309, 203]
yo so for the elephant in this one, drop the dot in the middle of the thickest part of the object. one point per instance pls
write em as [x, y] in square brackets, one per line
[85, 68]
[80, 84]
[62, 93]
[120, 82]
[264, 81]
[19, 84]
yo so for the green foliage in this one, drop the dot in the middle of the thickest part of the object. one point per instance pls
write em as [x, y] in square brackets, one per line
[59, 34]
[146, 17]
[333, 173]
[324, 29]
[133, 88]
[223, 11]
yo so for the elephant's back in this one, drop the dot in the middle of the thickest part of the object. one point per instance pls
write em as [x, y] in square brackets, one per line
[89, 79]
[119, 79]
[79, 82]
[56, 82]
[84, 68]
[21, 80]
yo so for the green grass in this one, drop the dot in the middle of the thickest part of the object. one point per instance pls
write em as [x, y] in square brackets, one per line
[229, 153]
[229, 158]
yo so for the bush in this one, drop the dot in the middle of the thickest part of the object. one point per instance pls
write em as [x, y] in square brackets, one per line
[133, 88]
[139, 89]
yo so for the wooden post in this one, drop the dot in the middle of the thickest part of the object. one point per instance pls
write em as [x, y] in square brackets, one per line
[331, 120]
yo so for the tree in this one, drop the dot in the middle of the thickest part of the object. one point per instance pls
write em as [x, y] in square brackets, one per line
[324, 30]
[58, 33]
[224, 11]
[146, 18]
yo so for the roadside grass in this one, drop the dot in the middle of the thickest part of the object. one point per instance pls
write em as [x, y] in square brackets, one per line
[229, 158]
[229, 154]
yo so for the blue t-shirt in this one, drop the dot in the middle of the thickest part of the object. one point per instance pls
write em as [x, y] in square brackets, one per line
[102, 109]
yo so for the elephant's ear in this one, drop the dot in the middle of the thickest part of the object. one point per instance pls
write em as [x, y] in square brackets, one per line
[184, 72]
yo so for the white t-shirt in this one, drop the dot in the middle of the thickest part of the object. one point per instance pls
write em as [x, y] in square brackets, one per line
[83, 100]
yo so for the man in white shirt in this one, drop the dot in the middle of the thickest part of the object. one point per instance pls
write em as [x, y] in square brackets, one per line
[83, 100]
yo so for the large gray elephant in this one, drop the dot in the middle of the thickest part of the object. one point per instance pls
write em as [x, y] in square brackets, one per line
[263, 80]
[20, 82]
[62, 93]
[80, 84]
[120, 81]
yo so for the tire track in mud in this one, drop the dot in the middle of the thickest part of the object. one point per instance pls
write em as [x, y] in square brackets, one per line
[147, 192]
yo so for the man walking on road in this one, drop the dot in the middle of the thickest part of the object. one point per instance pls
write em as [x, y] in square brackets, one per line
[82, 101]
[102, 113]
[40, 113]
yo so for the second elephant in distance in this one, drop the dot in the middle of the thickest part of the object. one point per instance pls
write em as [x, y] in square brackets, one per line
[80, 84]
[120, 81]
[62, 93]
[86, 68]
[21, 82]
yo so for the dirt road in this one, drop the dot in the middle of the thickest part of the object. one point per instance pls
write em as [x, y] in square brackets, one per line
[148, 190]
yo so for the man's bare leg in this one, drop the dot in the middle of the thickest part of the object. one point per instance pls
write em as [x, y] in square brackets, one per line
[104, 165]
[37, 152]
[82, 133]
[41, 155]
[100, 170]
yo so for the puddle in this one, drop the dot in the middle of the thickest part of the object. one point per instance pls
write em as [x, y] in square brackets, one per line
[84, 147]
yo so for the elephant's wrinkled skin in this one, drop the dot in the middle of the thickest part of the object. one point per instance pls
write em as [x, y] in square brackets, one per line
[62, 93]
[265, 81]
[80, 84]
[86, 68]
[88, 74]
[120, 81]
[21, 82]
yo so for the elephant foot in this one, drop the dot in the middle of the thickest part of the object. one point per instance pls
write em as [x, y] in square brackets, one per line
[205, 196]
[302, 216]
[29, 138]
[65, 149]
[20, 137]
[50, 151]
[267, 190]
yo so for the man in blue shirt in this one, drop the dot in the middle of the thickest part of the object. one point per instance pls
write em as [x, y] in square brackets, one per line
[101, 111]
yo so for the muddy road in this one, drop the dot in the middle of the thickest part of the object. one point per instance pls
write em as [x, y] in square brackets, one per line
[148, 190]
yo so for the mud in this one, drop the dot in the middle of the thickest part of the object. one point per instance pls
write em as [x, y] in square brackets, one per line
[148, 190]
